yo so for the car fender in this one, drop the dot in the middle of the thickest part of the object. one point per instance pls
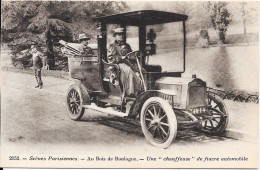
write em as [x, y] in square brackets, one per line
[83, 92]
[139, 101]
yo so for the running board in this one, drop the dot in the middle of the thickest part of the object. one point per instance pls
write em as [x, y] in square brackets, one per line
[107, 110]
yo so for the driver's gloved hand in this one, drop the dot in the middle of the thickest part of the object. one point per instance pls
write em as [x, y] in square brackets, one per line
[111, 59]
[131, 57]
[119, 58]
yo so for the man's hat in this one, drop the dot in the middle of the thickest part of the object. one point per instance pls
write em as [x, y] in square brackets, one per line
[83, 36]
[118, 31]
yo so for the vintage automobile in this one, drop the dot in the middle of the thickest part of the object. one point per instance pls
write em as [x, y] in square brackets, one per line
[168, 102]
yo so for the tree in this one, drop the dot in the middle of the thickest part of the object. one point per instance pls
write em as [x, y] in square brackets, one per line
[46, 22]
[220, 18]
[248, 11]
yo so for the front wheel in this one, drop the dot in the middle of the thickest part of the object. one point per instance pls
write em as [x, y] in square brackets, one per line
[158, 121]
[74, 103]
[216, 119]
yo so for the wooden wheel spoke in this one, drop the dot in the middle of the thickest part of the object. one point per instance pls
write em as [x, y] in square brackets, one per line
[73, 109]
[158, 122]
[163, 117]
[150, 113]
[148, 119]
[216, 106]
[165, 124]
[160, 133]
[74, 103]
[206, 122]
[159, 111]
[218, 117]
[216, 111]
[154, 111]
[77, 104]
[218, 114]
[163, 130]
[215, 120]
[76, 108]
[69, 95]
[211, 123]
[77, 96]
[154, 132]
[150, 126]
[73, 94]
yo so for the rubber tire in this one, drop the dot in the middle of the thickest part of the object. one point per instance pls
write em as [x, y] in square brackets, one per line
[82, 109]
[171, 120]
[223, 127]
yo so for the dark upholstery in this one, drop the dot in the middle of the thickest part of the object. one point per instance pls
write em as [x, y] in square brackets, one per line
[153, 68]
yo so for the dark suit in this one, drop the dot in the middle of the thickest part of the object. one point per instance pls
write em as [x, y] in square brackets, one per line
[131, 83]
[37, 65]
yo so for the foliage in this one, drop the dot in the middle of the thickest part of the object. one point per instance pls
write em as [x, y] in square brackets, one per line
[220, 18]
[46, 22]
[203, 39]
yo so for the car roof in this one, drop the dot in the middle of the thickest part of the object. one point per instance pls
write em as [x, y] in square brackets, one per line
[148, 17]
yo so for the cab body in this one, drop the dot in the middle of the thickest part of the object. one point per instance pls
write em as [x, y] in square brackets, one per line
[168, 102]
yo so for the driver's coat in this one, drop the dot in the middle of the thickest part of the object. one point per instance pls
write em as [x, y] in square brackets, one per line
[131, 83]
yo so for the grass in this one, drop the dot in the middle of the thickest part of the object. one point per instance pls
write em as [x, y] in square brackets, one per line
[52, 73]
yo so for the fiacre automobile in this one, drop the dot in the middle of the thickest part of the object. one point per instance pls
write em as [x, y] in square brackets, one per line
[168, 102]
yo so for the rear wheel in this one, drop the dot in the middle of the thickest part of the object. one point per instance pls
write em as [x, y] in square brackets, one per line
[74, 103]
[216, 119]
[158, 121]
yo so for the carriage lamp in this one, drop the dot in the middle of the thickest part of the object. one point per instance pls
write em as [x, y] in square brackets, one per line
[99, 30]
[99, 26]
[151, 36]
[150, 49]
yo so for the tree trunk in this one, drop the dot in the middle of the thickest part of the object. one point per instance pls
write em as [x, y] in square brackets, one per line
[222, 37]
[50, 55]
[244, 24]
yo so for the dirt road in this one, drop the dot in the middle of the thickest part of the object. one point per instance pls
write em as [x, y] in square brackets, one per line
[35, 122]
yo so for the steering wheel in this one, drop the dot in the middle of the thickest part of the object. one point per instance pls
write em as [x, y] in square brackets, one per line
[136, 53]
[111, 59]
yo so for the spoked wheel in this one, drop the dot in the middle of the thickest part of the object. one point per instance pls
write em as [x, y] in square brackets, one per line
[216, 119]
[74, 103]
[158, 122]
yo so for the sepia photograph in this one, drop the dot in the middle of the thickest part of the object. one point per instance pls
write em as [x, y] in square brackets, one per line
[129, 84]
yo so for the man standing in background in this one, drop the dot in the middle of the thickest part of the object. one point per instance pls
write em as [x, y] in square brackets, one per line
[37, 64]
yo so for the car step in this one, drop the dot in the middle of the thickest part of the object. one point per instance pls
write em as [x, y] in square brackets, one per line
[107, 110]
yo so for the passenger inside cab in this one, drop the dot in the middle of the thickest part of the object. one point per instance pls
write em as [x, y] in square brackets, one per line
[83, 39]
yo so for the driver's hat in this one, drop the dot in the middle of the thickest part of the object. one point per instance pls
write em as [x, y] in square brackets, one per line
[83, 37]
[118, 31]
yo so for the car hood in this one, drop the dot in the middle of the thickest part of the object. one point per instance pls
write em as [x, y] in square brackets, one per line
[174, 80]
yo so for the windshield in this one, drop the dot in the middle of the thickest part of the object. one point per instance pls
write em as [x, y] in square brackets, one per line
[169, 47]
[169, 44]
